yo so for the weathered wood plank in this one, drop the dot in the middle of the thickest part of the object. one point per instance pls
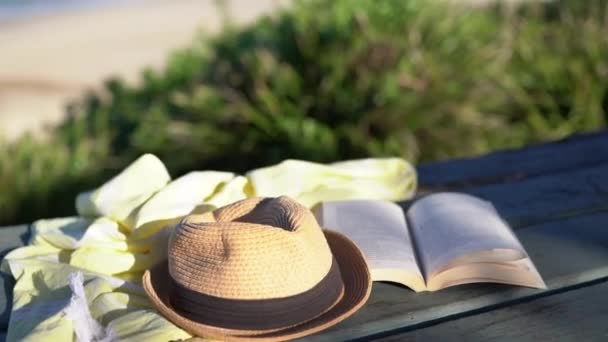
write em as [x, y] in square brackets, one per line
[578, 315]
[545, 198]
[567, 253]
[10, 238]
[572, 153]
[549, 197]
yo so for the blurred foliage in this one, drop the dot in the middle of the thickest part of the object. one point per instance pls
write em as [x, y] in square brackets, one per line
[330, 80]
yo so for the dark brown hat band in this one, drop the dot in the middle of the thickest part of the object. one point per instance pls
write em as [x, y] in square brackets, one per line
[263, 314]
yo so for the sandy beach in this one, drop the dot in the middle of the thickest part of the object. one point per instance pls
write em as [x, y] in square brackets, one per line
[49, 59]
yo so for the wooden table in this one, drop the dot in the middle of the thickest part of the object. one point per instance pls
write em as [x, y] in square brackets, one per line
[555, 196]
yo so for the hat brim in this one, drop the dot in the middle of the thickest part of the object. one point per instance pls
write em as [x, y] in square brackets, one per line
[357, 288]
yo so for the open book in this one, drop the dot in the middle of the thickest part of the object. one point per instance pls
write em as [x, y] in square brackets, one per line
[444, 239]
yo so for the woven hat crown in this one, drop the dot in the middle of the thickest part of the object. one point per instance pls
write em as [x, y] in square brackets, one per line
[258, 248]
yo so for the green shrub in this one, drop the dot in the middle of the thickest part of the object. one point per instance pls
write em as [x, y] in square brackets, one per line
[329, 80]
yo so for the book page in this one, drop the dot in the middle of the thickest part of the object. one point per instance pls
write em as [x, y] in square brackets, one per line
[448, 227]
[379, 229]
[520, 272]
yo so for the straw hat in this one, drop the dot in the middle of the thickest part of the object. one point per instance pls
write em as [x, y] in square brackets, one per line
[258, 269]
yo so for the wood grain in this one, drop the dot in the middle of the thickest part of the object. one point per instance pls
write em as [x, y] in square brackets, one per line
[12, 237]
[546, 198]
[577, 315]
[573, 153]
[550, 197]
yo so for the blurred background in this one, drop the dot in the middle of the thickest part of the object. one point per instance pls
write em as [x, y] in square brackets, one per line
[87, 86]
